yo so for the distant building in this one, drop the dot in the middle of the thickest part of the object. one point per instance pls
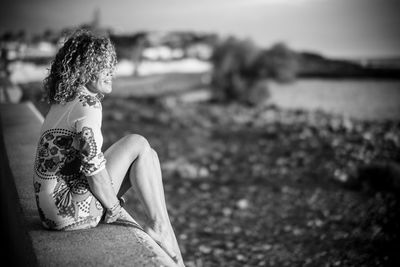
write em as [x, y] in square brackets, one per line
[40, 49]
[199, 50]
[157, 53]
[162, 52]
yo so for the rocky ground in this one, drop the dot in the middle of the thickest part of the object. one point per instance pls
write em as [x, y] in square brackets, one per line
[271, 187]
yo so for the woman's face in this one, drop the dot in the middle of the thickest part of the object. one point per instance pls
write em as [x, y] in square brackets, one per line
[103, 84]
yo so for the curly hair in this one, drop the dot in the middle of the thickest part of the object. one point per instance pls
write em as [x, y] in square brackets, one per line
[80, 60]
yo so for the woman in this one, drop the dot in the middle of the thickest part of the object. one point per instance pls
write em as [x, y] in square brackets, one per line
[76, 185]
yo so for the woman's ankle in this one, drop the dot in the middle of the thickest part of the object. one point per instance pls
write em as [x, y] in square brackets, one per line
[158, 225]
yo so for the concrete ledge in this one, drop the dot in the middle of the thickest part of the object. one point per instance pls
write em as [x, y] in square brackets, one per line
[105, 245]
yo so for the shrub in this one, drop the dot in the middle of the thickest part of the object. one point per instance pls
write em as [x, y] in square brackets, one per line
[234, 75]
[279, 63]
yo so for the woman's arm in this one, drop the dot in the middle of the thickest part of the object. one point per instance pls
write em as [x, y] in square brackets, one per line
[93, 165]
[86, 119]
[102, 189]
[100, 184]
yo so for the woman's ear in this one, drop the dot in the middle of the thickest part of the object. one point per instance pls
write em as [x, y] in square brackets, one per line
[93, 78]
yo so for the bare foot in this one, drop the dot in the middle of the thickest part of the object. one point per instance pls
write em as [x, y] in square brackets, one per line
[161, 236]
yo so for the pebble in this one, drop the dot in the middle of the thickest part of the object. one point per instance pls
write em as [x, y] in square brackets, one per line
[242, 204]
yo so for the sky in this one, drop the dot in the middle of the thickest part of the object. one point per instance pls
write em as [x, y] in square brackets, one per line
[335, 28]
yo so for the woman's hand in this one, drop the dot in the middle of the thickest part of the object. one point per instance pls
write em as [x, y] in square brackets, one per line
[113, 213]
[101, 187]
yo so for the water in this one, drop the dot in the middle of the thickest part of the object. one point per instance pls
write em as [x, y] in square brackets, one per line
[360, 99]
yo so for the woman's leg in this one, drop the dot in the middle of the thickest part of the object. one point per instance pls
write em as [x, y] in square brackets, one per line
[133, 155]
[160, 189]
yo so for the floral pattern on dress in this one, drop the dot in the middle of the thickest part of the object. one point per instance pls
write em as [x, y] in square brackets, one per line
[87, 144]
[46, 222]
[91, 160]
[87, 223]
[64, 157]
[66, 193]
[37, 186]
[56, 155]
[89, 100]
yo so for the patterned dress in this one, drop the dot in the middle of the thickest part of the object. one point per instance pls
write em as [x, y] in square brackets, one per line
[69, 149]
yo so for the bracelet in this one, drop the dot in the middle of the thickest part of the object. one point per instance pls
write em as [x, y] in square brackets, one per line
[112, 210]
[122, 201]
[113, 213]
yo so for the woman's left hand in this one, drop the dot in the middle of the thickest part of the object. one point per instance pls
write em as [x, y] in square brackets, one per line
[113, 213]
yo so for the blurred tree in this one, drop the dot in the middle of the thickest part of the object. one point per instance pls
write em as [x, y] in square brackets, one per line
[22, 36]
[137, 51]
[7, 36]
[50, 35]
[279, 62]
[234, 76]
[130, 47]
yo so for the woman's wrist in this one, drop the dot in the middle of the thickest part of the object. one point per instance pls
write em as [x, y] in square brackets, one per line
[113, 213]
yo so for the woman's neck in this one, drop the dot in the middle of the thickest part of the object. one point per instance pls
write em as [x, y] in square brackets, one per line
[85, 90]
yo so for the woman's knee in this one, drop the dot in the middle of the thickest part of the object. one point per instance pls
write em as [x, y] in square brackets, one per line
[138, 142]
[154, 153]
